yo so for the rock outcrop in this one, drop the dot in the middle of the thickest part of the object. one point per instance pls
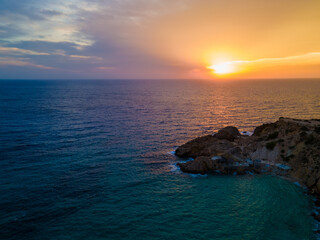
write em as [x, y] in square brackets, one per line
[289, 147]
[229, 133]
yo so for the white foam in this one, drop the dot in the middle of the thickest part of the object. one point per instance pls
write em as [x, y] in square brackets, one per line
[174, 168]
[197, 175]
[247, 133]
[172, 152]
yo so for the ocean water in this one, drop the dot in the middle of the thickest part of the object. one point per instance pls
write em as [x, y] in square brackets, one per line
[91, 160]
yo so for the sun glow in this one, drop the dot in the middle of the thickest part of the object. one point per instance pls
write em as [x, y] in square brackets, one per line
[222, 68]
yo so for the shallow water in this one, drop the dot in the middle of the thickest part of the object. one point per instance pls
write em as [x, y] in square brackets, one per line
[89, 160]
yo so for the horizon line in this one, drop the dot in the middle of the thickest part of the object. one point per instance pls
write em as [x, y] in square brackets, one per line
[156, 79]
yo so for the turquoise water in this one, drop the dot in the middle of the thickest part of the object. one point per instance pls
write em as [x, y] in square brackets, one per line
[91, 160]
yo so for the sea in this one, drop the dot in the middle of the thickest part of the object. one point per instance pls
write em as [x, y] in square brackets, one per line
[94, 160]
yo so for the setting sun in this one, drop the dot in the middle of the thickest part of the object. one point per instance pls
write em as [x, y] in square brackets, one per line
[222, 68]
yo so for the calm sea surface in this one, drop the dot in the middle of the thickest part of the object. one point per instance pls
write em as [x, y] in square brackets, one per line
[91, 160]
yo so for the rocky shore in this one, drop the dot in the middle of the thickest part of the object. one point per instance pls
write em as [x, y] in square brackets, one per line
[288, 147]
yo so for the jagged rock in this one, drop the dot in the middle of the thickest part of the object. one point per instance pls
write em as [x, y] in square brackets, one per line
[263, 128]
[228, 133]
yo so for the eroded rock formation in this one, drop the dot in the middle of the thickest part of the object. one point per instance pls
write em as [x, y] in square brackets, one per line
[288, 147]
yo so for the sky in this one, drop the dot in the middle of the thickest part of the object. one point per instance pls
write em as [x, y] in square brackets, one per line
[159, 39]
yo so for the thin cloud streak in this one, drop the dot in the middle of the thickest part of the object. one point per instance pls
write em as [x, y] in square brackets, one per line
[85, 57]
[21, 63]
[308, 58]
[313, 56]
[106, 68]
[14, 50]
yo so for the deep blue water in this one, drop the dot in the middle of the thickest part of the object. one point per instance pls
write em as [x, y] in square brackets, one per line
[90, 160]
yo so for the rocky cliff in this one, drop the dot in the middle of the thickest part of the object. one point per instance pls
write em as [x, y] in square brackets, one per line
[289, 147]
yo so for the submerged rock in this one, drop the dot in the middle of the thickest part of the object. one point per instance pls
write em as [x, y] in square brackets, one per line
[200, 165]
[289, 147]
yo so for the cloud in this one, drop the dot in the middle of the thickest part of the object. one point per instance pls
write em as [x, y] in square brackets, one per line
[14, 50]
[46, 46]
[106, 68]
[9, 31]
[308, 58]
[46, 20]
[85, 57]
[27, 10]
[50, 13]
[313, 56]
[38, 48]
[21, 62]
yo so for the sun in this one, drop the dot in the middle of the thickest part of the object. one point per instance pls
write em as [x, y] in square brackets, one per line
[222, 68]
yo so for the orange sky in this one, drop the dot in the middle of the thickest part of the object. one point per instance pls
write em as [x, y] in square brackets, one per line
[272, 38]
